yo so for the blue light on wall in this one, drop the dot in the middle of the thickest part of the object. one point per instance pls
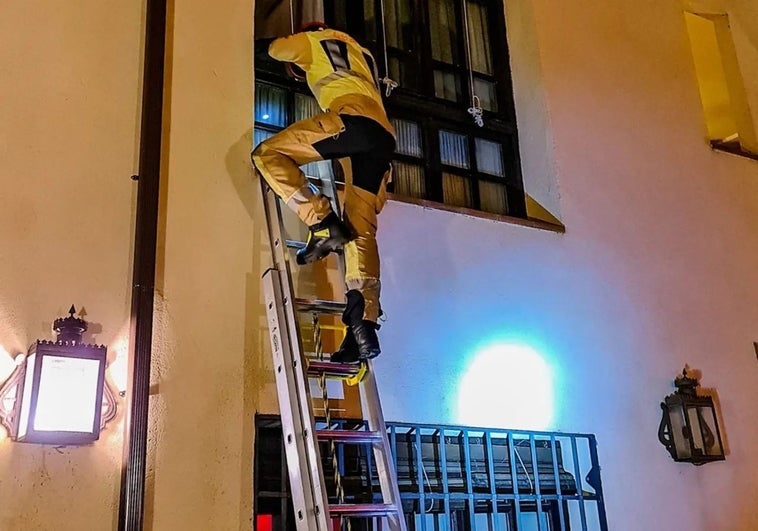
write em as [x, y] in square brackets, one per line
[507, 385]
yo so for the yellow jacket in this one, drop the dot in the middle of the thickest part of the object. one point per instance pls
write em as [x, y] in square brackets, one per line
[340, 72]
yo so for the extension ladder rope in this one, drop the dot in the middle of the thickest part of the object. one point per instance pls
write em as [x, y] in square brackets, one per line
[328, 415]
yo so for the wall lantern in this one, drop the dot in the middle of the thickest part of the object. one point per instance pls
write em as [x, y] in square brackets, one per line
[57, 394]
[689, 428]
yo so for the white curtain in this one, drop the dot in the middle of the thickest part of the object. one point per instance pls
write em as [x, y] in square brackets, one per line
[489, 157]
[408, 138]
[454, 149]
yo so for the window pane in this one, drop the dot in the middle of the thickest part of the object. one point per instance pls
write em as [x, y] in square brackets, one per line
[408, 179]
[259, 135]
[406, 76]
[446, 85]
[408, 138]
[270, 105]
[481, 55]
[444, 31]
[486, 93]
[489, 157]
[492, 197]
[454, 149]
[321, 169]
[339, 20]
[369, 17]
[346, 15]
[398, 21]
[305, 107]
[456, 190]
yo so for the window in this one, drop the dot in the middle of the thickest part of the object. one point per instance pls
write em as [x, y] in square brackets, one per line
[453, 478]
[442, 54]
[722, 92]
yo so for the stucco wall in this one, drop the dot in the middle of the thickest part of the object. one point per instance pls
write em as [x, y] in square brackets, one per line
[208, 277]
[658, 268]
[69, 83]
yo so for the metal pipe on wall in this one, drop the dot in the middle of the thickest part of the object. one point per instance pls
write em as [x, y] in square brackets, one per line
[132, 497]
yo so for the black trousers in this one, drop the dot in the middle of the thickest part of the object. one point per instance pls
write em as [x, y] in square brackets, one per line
[367, 144]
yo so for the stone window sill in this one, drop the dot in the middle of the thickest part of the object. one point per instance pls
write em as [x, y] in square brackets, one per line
[534, 223]
[734, 148]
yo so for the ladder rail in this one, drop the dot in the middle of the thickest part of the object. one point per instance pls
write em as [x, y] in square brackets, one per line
[310, 499]
[311, 512]
[302, 495]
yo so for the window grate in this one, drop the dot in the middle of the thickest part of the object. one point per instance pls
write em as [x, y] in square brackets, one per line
[455, 478]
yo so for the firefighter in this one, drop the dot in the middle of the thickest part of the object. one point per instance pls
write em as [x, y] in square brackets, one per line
[354, 128]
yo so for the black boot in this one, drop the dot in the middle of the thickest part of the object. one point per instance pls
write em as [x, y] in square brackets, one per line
[348, 351]
[364, 331]
[367, 340]
[328, 235]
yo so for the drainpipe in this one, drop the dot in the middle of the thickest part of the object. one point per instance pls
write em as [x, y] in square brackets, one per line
[132, 499]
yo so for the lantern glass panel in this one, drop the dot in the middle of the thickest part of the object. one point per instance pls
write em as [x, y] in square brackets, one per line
[68, 390]
[709, 430]
[679, 430]
[695, 429]
[26, 402]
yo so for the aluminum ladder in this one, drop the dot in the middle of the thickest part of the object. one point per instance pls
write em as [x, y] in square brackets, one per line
[312, 509]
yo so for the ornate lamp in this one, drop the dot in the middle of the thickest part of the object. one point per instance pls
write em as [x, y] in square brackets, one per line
[57, 394]
[689, 427]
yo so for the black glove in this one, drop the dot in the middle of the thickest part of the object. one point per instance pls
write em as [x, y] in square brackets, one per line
[261, 45]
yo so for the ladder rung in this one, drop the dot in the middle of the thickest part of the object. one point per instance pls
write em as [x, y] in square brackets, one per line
[351, 436]
[362, 509]
[322, 306]
[316, 368]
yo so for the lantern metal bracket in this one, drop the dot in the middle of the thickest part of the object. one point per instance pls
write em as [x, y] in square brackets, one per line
[685, 430]
[8, 395]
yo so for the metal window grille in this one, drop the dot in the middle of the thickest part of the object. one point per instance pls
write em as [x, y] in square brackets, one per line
[455, 478]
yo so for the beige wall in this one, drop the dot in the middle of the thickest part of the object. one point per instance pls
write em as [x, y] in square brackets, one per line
[657, 267]
[70, 83]
[68, 133]
[208, 286]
